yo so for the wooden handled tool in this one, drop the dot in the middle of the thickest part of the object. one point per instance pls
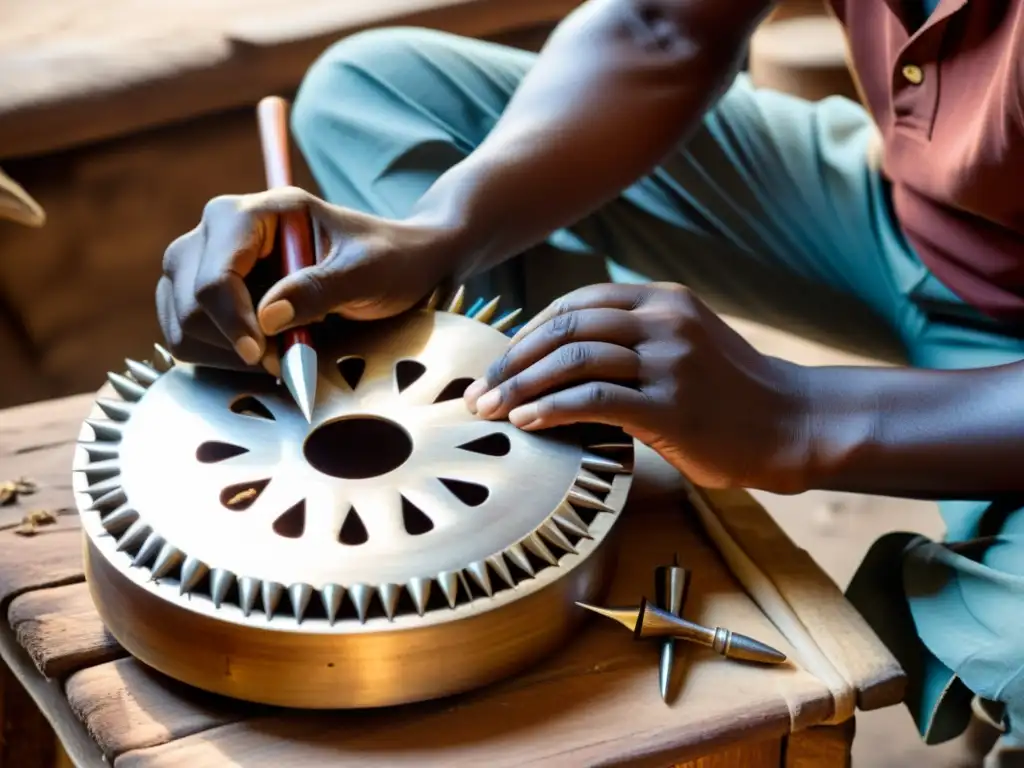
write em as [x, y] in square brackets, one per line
[298, 358]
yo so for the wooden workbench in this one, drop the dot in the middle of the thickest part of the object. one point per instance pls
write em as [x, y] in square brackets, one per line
[595, 702]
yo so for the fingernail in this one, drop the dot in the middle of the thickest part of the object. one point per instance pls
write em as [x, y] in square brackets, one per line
[474, 390]
[523, 416]
[488, 403]
[276, 316]
[272, 366]
[248, 349]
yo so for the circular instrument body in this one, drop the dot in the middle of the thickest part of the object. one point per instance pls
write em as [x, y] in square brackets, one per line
[393, 549]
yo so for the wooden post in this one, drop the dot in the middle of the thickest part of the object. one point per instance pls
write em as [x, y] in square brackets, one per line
[26, 738]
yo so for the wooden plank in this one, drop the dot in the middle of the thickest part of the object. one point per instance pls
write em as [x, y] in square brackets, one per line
[50, 700]
[51, 558]
[125, 705]
[234, 66]
[834, 624]
[61, 631]
[38, 441]
[26, 738]
[826, 746]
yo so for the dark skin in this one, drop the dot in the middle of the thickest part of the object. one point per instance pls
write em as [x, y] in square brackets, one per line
[651, 359]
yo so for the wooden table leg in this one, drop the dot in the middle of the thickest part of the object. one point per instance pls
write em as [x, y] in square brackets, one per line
[823, 746]
[26, 738]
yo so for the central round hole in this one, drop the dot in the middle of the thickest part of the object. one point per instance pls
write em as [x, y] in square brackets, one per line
[357, 448]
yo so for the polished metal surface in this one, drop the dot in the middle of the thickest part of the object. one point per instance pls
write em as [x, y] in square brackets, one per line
[392, 514]
[647, 621]
[671, 585]
[299, 374]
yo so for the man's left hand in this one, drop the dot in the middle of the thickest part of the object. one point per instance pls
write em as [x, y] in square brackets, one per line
[655, 361]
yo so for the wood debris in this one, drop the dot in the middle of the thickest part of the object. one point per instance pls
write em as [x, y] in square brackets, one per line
[240, 498]
[38, 518]
[12, 490]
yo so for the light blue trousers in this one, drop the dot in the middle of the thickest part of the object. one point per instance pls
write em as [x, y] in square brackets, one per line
[771, 212]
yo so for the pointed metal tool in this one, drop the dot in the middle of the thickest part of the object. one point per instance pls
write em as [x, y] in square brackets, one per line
[648, 621]
[298, 358]
[671, 586]
[299, 372]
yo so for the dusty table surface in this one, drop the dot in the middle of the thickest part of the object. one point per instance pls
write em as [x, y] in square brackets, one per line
[595, 701]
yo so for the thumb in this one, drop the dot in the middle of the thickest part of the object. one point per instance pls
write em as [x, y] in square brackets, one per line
[308, 296]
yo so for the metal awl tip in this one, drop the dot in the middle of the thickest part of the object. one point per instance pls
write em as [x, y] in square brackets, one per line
[299, 374]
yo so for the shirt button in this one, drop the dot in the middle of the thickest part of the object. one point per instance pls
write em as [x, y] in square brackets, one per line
[913, 74]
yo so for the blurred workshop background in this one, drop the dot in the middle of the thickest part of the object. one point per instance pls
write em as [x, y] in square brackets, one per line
[120, 119]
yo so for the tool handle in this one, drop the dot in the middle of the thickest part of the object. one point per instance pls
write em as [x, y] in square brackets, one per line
[295, 231]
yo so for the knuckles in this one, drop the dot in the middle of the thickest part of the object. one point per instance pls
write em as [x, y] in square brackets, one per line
[573, 357]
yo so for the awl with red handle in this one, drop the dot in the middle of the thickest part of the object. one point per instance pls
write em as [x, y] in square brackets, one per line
[298, 358]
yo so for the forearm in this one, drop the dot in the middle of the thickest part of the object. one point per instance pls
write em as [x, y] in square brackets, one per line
[919, 433]
[619, 84]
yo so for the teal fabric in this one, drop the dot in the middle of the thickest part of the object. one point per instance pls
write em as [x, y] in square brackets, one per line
[930, 6]
[770, 211]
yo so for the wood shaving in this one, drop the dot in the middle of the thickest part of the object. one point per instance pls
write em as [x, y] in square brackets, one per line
[38, 518]
[11, 490]
[243, 496]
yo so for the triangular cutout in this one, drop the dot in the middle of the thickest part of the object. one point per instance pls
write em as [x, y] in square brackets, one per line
[240, 496]
[353, 532]
[292, 524]
[250, 406]
[471, 494]
[415, 519]
[407, 372]
[213, 451]
[352, 370]
[494, 444]
[453, 390]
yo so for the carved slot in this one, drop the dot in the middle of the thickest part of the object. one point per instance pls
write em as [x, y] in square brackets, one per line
[453, 390]
[470, 494]
[415, 519]
[292, 524]
[241, 496]
[352, 370]
[407, 372]
[248, 405]
[494, 444]
[213, 451]
[353, 531]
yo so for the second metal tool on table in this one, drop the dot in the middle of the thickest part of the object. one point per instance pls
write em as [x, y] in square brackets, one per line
[298, 358]
[671, 585]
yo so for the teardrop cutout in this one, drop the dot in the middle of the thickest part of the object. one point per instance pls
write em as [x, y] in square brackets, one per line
[352, 370]
[292, 524]
[471, 494]
[247, 405]
[241, 496]
[494, 444]
[453, 390]
[353, 532]
[213, 451]
[415, 519]
[407, 372]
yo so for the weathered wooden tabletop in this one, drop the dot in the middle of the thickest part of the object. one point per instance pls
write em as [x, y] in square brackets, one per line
[594, 702]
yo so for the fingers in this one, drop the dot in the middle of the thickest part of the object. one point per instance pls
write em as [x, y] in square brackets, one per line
[220, 287]
[594, 402]
[624, 296]
[569, 364]
[614, 326]
[186, 348]
[347, 283]
[206, 270]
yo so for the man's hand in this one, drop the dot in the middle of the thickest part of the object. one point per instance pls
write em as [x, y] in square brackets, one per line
[655, 361]
[210, 303]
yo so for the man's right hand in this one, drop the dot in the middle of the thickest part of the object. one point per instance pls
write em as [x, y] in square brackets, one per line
[213, 312]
